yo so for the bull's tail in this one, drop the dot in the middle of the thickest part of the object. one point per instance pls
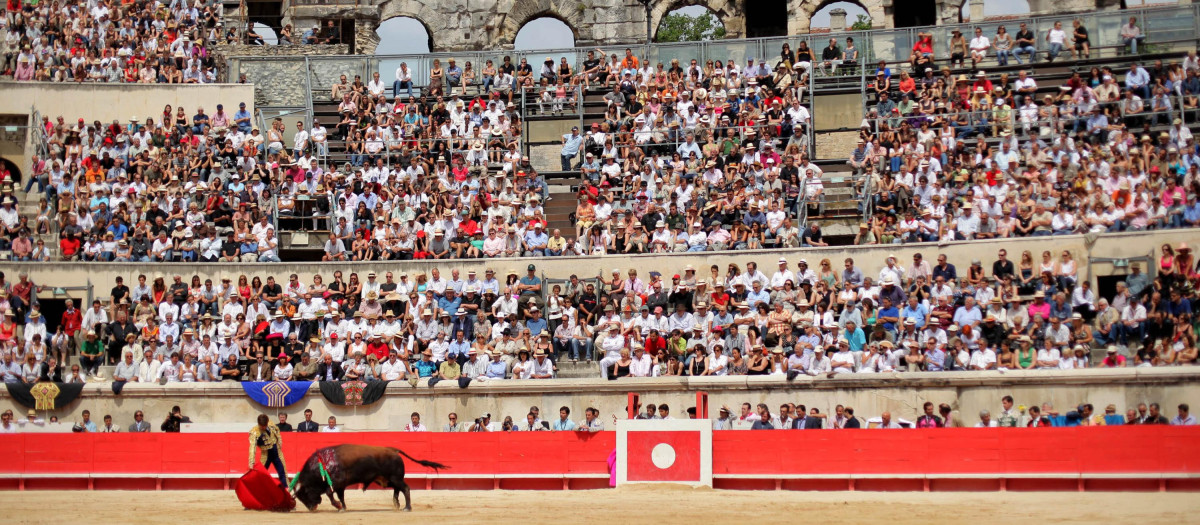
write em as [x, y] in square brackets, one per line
[424, 463]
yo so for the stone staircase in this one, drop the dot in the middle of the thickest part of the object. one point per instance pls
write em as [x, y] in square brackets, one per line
[558, 210]
[840, 217]
[27, 206]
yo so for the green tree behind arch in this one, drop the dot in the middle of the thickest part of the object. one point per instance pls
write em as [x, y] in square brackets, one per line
[680, 27]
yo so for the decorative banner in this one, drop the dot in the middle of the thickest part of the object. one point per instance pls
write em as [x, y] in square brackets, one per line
[44, 395]
[353, 393]
[276, 394]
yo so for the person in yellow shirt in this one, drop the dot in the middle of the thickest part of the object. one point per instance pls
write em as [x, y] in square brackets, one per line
[556, 244]
[265, 439]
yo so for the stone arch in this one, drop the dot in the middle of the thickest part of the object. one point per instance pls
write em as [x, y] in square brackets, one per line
[731, 14]
[569, 12]
[425, 26]
[419, 11]
[14, 169]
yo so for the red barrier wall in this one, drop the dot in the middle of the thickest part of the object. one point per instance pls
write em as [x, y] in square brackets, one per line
[1080, 450]
[1146, 458]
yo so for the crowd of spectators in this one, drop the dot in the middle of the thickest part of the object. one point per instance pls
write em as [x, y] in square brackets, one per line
[798, 320]
[171, 187]
[696, 158]
[109, 41]
[692, 147]
[790, 416]
[687, 158]
[703, 152]
[991, 156]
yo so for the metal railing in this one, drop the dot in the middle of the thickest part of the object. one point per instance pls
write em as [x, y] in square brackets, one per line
[1159, 24]
[800, 209]
[392, 157]
[37, 135]
[545, 97]
[984, 119]
[867, 202]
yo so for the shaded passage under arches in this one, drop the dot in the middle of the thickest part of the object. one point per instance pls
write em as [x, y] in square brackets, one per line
[766, 18]
[913, 13]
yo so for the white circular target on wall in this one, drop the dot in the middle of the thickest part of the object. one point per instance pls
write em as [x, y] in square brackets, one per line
[663, 455]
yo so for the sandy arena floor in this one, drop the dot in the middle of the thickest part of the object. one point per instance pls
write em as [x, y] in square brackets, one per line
[637, 505]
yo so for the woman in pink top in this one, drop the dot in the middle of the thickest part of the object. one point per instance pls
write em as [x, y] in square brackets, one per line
[1039, 306]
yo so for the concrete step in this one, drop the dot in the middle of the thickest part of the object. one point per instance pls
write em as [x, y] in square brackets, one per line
[558, 212]
[579, 370]
[545, 158]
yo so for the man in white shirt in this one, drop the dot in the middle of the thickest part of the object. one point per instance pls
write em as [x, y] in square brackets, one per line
[979, 47]
[642, 365]
[983, 359]
[1133, 321]
[403, 80]
[332, 426]
[300, 139]
[393, 369]
[375, 86]
[986, 421]
[782, 276]
[717, 362]
[818, 364]
[842, 361]
[681, 320]
[543, 368]
[885, 420]
[1047, 359]
[415, 424]
[611, 343]
[319, 137]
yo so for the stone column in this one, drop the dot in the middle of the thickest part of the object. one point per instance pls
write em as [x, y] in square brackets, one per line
[365, 39]
[976, 11]
[837, 19]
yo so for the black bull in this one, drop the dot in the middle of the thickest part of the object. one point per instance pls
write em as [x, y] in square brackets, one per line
[350, 465]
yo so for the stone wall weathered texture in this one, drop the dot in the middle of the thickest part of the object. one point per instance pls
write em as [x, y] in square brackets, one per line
[235, 50]
[457, 25]
[279, 81]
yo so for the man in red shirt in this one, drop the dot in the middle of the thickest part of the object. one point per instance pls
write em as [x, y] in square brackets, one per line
[22, 295]
[655, 343]
[1113, 359]
[630, 61]
[377, 347]
[68, 246]
[72, 319]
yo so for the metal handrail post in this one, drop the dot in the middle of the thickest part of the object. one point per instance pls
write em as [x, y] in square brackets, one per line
[524, 113]
[801, 211]
[867, 202]
[308, 99]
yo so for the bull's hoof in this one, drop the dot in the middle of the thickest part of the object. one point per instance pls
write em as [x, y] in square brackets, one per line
[407, 509]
